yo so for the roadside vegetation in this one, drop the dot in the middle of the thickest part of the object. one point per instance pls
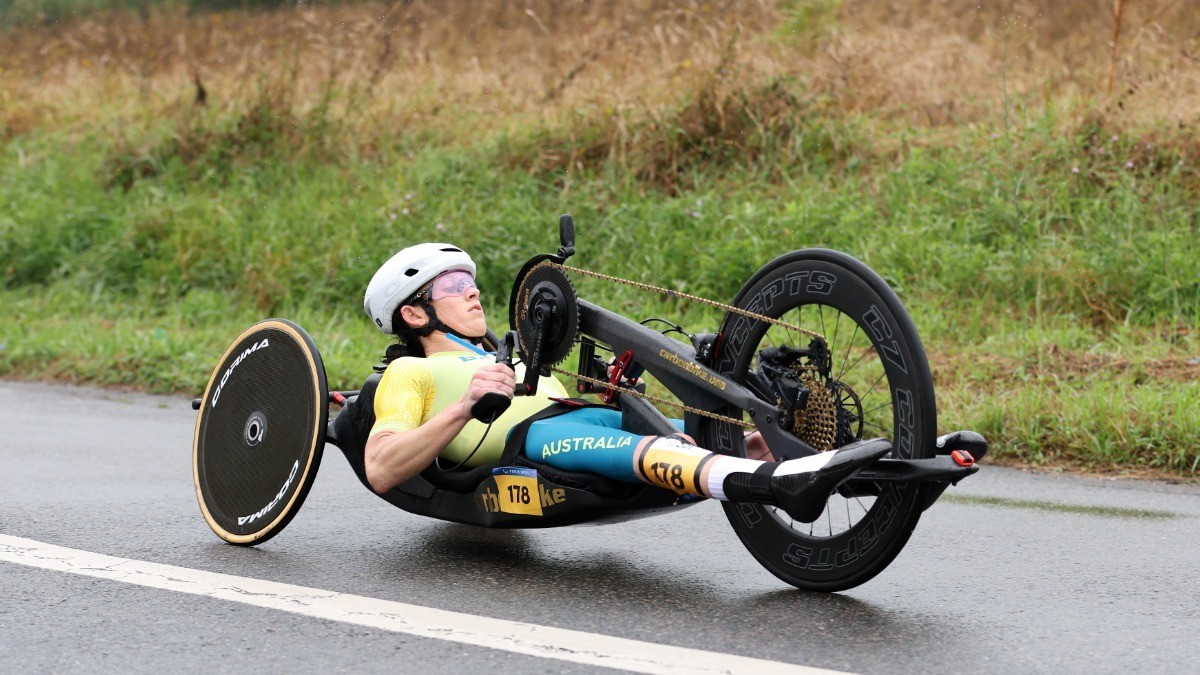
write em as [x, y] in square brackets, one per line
[1027, 177]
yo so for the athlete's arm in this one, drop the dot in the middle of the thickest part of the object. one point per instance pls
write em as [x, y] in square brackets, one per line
[392, 457]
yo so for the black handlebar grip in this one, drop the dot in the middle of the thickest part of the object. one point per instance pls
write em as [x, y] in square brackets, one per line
[492, 405]
[566, 235]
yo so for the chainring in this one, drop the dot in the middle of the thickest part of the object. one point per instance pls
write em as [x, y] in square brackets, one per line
[545, 292]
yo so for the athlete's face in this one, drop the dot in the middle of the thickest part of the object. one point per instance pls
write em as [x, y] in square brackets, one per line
[456, 298]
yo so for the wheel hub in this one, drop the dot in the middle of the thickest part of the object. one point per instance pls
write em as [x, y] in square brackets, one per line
[256, 429]
[819, 410]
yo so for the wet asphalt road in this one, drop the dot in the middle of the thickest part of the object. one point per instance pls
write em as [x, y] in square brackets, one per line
[1013, 572]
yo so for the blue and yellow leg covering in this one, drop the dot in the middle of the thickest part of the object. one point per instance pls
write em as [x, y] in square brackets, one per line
[588, 440]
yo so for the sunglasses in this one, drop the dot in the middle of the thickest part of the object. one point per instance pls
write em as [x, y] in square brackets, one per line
[449, 285]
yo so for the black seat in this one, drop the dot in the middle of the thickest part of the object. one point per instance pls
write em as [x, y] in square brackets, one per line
[352, 426]
[350, 429]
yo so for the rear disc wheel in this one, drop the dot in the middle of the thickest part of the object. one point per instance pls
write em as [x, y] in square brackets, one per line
[260, 432]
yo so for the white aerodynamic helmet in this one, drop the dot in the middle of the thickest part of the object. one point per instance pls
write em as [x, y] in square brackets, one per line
[405, 273]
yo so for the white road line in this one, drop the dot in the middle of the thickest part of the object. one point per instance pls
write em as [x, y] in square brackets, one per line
[511, 636]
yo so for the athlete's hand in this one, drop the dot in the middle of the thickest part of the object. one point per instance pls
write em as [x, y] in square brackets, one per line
[493, 377]
[756, 447]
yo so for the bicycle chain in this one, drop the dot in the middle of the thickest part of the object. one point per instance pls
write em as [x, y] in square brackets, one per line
[653, 399]
[686, 296]
[671, 294]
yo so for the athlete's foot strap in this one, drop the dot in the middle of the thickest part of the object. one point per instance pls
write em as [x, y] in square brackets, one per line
[803, 495]
[751, 487]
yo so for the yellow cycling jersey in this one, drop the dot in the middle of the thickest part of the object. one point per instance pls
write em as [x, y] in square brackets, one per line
[413, 390]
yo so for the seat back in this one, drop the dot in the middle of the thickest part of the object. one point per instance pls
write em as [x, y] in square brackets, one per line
[352, 427]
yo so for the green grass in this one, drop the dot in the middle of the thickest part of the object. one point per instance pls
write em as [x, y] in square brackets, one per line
[145, 288]
[1098, 422]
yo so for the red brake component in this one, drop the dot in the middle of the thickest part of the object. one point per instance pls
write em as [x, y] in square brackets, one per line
[614, 378]
[337, 397]
[962, 458]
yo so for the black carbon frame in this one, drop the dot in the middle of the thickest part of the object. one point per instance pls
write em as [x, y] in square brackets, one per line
[674, 364]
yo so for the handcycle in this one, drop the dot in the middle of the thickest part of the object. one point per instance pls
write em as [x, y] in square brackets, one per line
[815, 352]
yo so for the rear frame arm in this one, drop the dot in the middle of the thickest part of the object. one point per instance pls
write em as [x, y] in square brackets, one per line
[674, 364]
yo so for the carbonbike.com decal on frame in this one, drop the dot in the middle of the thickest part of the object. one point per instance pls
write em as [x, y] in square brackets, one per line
[691, 369]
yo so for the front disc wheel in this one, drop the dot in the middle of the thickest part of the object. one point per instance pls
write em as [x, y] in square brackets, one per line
[878, 385]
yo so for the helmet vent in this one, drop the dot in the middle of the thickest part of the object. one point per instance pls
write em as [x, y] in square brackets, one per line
[451, 249]
[411, 271]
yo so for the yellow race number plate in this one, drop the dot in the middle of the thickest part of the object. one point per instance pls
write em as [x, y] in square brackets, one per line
[518, 489]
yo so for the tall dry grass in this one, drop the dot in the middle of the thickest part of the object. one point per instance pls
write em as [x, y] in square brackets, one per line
[383, 70]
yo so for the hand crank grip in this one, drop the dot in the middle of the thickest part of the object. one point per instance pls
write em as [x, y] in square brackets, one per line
[492, 405]
[566, 236]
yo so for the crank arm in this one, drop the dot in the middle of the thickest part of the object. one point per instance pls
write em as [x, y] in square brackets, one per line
[958, 446]
[533, 357]
[955, 459]
[938, 473]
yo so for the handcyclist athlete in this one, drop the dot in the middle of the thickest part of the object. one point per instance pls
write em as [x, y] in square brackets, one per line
[427, 292]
